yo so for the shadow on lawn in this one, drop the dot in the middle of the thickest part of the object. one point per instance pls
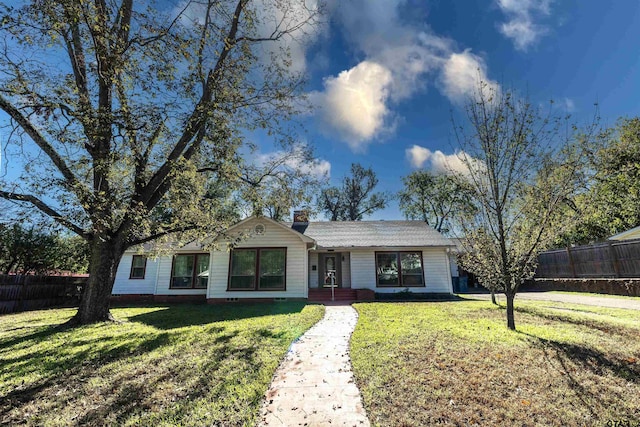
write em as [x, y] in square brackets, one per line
[130, 398]
[572, 356]
[608, 329]
[37, 336]
[180, 315]
[68, 367]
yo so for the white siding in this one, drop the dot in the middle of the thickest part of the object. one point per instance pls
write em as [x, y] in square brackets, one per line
[274, 236]
[435, 266]
[346, 270]
[436, 270]
[313, 274]
[123, 285]
[363, 269]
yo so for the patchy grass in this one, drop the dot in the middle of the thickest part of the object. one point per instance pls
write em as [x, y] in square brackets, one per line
[456, 363]
[163, 365]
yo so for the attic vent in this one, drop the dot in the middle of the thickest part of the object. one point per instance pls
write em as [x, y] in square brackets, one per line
[259, 229]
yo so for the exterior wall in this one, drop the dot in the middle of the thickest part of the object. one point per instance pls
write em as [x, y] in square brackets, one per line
[124, 286]
[346, 270]
[274, 236]
[313, 274]
[435, 265]
[157, 276]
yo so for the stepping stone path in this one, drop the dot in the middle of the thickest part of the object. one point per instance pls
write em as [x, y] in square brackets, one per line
[314, 385]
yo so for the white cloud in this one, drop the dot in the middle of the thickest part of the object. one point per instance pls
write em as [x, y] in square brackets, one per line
[297, 159]
[358, 103]
[463, 74]
[353, 104]
[568, 105]
[299, 19]
[520, 26]
[439, 162]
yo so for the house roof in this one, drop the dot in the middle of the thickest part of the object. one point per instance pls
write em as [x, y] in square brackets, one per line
[348, 234]
[631, 234]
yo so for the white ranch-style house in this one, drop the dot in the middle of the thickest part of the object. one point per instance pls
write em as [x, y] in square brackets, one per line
[298, 260]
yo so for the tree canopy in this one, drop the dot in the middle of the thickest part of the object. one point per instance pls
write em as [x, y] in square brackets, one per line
[610, 201]
[130, 120]
[434, 198]
[354, 199]
[29, 250]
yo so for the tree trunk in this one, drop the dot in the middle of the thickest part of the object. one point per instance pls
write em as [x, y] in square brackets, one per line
[94, 305]
[493, 296]
[511, 323]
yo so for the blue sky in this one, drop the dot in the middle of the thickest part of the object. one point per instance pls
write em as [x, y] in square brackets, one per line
[386, 76]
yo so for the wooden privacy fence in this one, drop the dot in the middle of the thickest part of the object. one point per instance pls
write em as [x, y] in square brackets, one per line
[23, 292]
[613, 259]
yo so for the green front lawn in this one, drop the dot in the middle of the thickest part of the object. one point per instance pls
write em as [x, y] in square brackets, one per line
[456, 363]
[593, 294]
[163, 365]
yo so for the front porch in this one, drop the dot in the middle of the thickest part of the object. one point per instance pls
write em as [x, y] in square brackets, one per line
[329, 267]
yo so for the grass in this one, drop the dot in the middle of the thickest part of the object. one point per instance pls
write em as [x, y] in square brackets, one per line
[456, 363]
[593, 294]
[163, 365]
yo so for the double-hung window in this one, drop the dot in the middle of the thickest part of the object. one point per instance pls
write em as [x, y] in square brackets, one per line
[190, 271]
[399, 269]
[138, 267]
[258, 269]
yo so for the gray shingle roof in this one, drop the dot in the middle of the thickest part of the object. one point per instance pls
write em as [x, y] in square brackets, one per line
[347, 234]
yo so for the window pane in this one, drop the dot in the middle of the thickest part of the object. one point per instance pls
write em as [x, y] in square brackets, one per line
[241, 282]
[243, 262]
[138, 263]
[202, 271]
[411, 264]
[243, 269]
[182, 271]
[272, 268]
[387, 268]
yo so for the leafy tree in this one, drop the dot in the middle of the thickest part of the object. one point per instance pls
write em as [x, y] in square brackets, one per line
[27, 250]
[434, 199]
[125, 115]
[354, 199]
[282, 182]
[520, 182]
[611, 202]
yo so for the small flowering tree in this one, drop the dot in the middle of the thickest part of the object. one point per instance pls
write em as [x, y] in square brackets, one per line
[521, 178]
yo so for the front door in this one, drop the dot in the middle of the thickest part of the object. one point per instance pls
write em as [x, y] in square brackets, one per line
[330, 267]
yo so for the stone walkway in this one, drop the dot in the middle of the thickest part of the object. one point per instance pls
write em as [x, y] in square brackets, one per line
[314, 385]
[612, 302]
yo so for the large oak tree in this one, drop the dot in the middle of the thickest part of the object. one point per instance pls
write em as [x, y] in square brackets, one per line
[129, 118]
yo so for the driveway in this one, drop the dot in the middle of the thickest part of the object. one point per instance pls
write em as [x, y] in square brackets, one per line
[609, 301]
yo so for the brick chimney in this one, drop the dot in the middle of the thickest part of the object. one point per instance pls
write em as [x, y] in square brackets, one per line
[300, 221]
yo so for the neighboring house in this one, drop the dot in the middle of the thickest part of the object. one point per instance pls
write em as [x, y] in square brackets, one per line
[631, 234]
[286, 260]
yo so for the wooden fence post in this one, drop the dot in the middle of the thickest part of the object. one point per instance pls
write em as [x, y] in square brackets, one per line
[614, 259]
[571, 264]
